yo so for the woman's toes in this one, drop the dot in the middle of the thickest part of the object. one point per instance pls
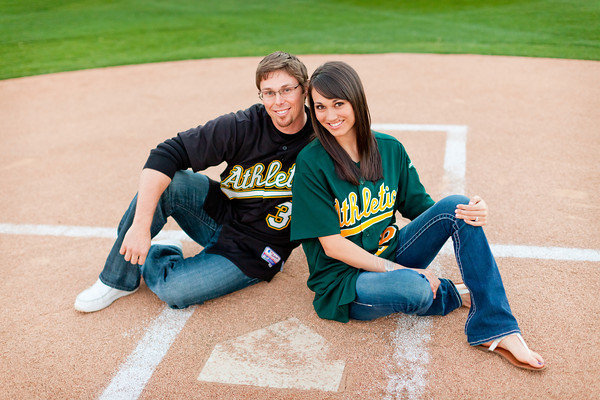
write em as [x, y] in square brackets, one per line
[536, 360]
[512, 344]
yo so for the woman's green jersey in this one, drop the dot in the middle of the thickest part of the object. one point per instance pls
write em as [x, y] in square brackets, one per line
[323, 205]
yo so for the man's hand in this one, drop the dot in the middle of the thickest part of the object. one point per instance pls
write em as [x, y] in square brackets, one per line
[136, 244]
[475, 213]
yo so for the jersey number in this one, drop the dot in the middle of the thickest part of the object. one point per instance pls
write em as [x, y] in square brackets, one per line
[386, 236]
[282, 218]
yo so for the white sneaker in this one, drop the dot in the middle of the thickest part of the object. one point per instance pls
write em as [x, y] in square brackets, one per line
[98, 296]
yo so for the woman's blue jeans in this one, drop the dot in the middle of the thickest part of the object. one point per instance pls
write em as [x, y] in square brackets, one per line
[380, 294]
[178, 281]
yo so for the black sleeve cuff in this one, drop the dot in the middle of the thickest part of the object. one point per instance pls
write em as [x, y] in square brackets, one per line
[161, 164]
[169, 157]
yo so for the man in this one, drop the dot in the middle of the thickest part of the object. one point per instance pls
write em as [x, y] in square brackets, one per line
[242, 222]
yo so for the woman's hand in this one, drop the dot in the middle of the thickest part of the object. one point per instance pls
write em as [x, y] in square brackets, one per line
[434, 281]
[475, 213]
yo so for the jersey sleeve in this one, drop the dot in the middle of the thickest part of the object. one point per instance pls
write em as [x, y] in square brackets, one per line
[412, 197]
[313, 211]
[169, 157]
[214, 142]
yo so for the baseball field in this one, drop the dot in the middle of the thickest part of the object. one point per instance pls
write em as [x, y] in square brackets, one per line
[498, 99]
[38, 37]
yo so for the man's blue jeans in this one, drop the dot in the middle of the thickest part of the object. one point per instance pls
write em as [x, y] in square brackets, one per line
[379, 294]
[178, 281]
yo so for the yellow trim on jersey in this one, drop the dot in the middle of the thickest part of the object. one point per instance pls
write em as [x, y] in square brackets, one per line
[381, 250]
[366, 224]
[245, 194]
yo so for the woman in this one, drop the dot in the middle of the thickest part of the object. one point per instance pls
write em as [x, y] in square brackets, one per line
[348, 186]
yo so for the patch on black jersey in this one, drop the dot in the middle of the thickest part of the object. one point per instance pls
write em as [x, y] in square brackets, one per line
[270, 256]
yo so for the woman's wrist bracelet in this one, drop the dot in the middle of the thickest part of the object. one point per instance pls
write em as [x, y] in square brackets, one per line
[388, 266]
[384, 265]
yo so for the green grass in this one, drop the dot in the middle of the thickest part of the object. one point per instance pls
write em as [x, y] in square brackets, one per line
[49, 36]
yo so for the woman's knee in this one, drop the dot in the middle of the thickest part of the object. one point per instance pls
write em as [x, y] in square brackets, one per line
[448, 204]
[452, 201]
[414, 295]
[418, 298]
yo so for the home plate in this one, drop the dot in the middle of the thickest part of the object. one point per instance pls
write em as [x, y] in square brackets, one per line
[287, 354]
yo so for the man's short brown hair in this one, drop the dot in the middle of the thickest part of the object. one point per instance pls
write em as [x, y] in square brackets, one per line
[281, 60]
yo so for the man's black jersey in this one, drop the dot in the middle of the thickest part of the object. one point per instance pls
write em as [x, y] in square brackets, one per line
[253, 200]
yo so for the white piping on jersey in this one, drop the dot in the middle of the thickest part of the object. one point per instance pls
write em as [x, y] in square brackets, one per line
[245, 194]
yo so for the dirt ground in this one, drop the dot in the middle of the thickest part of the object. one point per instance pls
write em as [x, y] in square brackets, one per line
[73, 145]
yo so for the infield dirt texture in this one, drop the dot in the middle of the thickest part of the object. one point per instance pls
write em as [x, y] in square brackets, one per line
[73, 145]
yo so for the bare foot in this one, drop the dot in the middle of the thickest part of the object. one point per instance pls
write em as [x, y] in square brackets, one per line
[521, 353]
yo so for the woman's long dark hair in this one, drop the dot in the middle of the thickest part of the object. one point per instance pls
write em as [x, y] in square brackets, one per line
[338, 80]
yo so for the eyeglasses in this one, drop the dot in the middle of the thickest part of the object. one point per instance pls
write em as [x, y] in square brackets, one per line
[283, 92]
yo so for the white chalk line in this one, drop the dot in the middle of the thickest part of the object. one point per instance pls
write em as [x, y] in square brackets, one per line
[536, 252]
[499, 250]
[136, 371]
[407, 370]
[408, 377]
[455, 157]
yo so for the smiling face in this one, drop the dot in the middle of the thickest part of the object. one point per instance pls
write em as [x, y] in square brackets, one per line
[336, 115]
[286, 111]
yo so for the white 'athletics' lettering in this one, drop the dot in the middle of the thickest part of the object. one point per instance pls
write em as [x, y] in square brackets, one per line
[257, 177]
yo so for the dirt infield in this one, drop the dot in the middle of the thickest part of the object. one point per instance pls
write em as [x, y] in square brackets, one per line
[73, 145]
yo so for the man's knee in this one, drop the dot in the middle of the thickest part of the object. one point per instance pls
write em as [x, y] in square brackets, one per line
[188, 179]
[184, 186]
[174, 298]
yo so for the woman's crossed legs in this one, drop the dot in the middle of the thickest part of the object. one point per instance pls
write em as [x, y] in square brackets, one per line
[490, 317]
